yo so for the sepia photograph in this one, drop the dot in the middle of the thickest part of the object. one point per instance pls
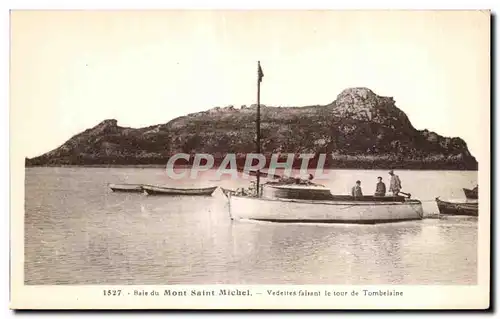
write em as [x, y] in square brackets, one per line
[259, 159]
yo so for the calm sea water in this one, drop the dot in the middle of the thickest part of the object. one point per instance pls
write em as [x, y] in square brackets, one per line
[78, 232]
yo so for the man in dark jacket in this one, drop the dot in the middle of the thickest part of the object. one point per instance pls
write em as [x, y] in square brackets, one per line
[380, 189]
[356, 190]
[395, 185]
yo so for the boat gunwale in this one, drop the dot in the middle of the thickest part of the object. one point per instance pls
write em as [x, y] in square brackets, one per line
[471, 205]
[161, 188]
[124, 185]
[333, 221]
[334, 202]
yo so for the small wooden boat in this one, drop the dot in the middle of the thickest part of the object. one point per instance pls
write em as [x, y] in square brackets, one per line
[169, 191]
[457, 208]
[126, 188]
[470, 193]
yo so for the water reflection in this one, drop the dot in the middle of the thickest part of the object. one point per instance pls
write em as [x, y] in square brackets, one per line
[334, 254]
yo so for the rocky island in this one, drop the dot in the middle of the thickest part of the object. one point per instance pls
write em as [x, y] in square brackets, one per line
[358, 130]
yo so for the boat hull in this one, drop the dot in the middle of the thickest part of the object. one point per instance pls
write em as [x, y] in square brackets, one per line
[307, 211]
[166, 191]
[462, 209]
[126, 188]
[470, 194]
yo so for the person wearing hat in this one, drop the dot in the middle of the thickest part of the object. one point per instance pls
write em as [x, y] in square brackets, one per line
[395, 184]
[356, 190]
[380, 188]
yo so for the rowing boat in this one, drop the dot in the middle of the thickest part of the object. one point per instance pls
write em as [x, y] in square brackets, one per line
[470, 193]
[457, 208]
[314, 209]
[126, 188]
[169, 191]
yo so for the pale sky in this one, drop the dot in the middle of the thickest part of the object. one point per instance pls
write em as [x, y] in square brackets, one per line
[71, 70]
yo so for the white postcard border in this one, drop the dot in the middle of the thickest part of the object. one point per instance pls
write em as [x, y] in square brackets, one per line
[91, 297]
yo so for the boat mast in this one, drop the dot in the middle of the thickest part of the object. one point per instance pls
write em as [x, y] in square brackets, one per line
[260, 75]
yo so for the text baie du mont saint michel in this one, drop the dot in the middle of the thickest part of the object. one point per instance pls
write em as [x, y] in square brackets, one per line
[268, 292]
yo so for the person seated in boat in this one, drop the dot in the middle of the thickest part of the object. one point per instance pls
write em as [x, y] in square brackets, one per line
[395, 183]
[356, 190]
[380, 188]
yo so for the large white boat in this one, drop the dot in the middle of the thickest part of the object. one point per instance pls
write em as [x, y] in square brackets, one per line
[318, 207]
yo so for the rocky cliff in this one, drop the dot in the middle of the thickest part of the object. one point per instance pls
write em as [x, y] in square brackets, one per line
[358, 130]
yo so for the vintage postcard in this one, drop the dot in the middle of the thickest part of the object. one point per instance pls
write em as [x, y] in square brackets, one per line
[175, 159]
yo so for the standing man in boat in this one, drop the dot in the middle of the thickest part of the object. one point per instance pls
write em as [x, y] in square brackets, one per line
[356, 190]
[380, 189]
[395, 185]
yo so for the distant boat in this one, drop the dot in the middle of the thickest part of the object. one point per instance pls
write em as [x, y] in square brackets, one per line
[470, 193]
[457, 208]
[159, 190]
[126, 188]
